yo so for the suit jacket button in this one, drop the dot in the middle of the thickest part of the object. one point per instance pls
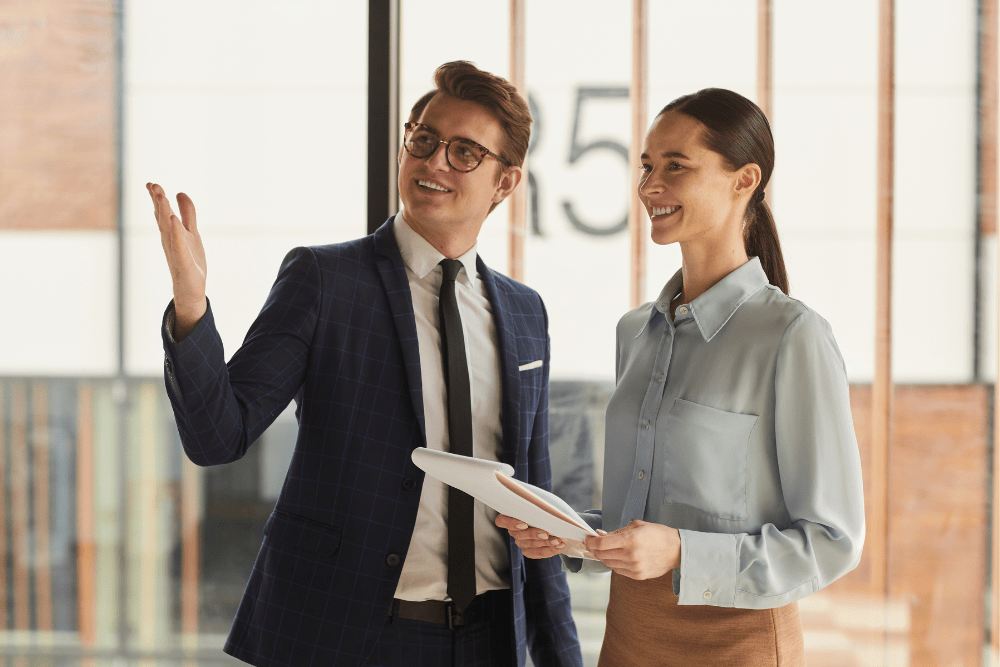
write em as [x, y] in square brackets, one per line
[392, 560]
[409, 484]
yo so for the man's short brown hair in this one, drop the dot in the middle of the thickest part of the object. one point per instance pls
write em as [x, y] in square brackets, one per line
[418, 106]
[464, 81]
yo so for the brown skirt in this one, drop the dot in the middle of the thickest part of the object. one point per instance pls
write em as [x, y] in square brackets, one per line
[647, 628]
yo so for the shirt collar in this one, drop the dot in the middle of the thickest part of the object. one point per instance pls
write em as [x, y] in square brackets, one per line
[421, 257]
[713, 309]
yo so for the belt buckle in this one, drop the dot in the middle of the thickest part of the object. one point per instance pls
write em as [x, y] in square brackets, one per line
[454, 619]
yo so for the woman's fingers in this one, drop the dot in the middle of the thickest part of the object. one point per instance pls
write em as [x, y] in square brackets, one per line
[533, 542]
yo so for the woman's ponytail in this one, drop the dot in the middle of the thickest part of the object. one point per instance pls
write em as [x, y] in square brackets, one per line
[760, 238]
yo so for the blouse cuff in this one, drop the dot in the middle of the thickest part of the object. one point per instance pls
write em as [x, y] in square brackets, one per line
[709, 569]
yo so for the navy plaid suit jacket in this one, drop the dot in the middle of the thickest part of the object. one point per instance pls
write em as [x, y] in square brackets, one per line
[337, 333]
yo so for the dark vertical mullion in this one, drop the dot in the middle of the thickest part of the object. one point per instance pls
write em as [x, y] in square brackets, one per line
[383, 110]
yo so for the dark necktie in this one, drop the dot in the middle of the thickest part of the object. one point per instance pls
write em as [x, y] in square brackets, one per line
[461, 537]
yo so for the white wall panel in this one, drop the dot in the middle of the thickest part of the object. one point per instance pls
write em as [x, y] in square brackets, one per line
[935, 193]
[246, 42]
[59, 300]
[259, 113]
[933, 283]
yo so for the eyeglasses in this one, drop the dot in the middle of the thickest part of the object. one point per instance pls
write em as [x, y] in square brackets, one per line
[462, 154]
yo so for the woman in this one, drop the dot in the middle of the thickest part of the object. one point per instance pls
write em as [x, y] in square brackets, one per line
[732, 478]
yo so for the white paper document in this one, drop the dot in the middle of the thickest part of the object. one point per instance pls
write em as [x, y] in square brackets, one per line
[493, 484]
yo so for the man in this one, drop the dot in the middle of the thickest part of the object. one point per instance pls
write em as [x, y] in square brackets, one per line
[365, 561]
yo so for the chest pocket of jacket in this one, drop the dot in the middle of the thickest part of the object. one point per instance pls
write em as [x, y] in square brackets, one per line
[705, 459]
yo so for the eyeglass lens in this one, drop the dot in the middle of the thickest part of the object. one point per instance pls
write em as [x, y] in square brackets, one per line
[462, 154]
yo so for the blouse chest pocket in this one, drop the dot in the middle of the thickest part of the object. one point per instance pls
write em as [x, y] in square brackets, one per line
[705, 459]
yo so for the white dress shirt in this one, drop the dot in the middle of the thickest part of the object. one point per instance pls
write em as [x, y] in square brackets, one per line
[425, 569]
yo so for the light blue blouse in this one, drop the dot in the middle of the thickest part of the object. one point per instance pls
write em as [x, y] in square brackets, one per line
[733, 425]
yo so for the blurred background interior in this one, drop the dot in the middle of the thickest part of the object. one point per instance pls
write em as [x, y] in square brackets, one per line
[282, 121]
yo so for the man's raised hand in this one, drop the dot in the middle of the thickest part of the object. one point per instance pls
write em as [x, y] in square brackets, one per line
[185, 257]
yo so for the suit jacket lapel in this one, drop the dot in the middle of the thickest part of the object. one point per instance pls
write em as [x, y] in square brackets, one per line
[507, 354]
[397, 289]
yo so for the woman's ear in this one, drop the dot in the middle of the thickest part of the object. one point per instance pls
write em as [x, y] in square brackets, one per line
[747, 179]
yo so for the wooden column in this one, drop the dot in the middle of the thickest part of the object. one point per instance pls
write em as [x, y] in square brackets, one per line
[988, 117]
[765, 72]
[637, 98]
[86, 559]
[882, 386]
[518, 200]
[42, 524]
[989, 99]
[764, 64]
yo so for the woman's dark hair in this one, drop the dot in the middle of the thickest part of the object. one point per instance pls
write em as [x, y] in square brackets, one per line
[737, 129]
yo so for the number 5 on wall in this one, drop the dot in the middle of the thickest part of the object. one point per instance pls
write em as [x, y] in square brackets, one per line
[577, 150]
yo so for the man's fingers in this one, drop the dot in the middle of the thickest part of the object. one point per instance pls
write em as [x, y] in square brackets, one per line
[161, 206]
[510, 523]
[186, 207]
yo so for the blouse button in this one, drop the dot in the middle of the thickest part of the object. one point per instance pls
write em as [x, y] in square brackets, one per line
[682, 310]
[707, 595]
[647, 425]
[660, 379]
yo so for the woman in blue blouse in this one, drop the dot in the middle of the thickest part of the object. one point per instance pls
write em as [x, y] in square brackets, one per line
[732, 480]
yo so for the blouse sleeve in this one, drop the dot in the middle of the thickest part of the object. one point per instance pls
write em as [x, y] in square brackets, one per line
[820, 472]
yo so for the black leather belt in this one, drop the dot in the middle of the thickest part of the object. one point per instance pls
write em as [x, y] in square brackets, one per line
[482, 608]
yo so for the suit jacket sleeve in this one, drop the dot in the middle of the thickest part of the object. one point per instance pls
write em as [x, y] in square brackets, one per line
[552, 636]
[221, 409]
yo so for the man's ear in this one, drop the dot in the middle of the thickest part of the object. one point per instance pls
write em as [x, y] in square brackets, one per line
[508, 181]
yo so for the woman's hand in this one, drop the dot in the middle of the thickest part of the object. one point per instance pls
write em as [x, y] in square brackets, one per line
[640, 550]
[533, 542]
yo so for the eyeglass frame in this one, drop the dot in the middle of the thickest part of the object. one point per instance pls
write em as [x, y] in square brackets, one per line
[409, 127]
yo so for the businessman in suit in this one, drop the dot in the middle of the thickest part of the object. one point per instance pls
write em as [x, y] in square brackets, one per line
[401, 339]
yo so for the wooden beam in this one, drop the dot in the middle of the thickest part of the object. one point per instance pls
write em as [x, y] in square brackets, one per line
[42, 527]
[882, 385]
[765, 73]
[638, 94]
[764, 64]
[518, 200]
[988, 100]
[86, 558]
